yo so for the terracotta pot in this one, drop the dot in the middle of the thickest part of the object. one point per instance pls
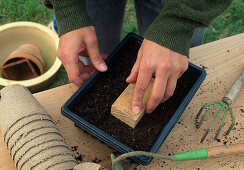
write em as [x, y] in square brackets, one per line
[15, 34]
[21, 69]
[23, 64]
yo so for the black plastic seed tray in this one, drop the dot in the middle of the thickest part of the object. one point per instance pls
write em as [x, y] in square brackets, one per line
[198, 74]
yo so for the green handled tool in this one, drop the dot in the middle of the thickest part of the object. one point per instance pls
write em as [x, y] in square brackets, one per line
[223, 106]
[199, 154]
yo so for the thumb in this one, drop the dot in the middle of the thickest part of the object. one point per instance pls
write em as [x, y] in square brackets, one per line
[95, 56]
[134, 72]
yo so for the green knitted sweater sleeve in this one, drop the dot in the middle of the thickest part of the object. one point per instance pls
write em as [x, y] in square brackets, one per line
[174, 27]
[70, 14]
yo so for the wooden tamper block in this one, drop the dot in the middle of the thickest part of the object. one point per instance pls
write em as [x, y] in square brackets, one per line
[122, 107]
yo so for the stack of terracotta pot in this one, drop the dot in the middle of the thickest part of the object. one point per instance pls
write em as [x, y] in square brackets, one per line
[23, 64]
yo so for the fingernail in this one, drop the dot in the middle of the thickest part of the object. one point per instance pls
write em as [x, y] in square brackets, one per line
[103, 66]
[136, 109]
[149, 111]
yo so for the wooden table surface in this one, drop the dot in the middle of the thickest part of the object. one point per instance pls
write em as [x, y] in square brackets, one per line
[223, 61]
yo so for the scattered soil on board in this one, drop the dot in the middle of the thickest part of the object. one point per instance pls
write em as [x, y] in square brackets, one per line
[96, 104]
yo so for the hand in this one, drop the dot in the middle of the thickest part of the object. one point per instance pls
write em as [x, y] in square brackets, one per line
[155, 60]
[80, 42]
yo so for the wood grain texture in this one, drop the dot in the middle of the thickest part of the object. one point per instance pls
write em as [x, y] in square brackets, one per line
[223, 61]
[234, 89]
[218, 151]
[122, 108]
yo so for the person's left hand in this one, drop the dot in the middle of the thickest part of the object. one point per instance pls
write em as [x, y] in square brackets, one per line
[155, 60]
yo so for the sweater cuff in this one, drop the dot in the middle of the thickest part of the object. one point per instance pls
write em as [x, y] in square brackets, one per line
[71, 15]
[172, 32]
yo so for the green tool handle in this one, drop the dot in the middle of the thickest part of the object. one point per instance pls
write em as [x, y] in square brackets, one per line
[199, 154]
[191, 155]
[212, 152]
[234, 90]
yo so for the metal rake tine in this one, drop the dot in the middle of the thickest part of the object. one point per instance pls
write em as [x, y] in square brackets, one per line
[204, 106]
[211, 125]
[207, 113]
[221, 124]
[233, 121]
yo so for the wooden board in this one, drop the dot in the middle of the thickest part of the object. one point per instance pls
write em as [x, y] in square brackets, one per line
[122, 109]
[223, 60]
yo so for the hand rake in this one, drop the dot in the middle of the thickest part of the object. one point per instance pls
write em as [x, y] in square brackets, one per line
[223, 107]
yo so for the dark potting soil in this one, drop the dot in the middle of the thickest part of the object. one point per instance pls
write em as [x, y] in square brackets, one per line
[95, 106]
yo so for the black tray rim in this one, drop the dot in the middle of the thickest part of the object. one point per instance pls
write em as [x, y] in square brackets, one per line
[117, 145]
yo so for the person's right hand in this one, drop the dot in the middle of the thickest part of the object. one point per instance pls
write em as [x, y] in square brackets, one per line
[80, 42]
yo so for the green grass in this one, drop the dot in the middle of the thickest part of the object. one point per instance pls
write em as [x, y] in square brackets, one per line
[228, 24]
[130, 24]
[24, 10]
[231, 22]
